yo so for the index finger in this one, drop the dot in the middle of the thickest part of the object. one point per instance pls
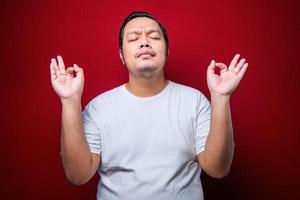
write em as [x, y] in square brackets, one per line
[222, 67]
[61, 64]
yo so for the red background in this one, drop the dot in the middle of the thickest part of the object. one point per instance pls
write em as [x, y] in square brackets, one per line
[264, 107]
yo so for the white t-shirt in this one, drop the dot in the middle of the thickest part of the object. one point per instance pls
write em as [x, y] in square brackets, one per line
[148, 145]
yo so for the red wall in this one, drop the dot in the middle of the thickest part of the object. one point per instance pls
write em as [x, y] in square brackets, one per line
[265, 106]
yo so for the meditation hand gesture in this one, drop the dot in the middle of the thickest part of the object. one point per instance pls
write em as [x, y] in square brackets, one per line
[67, 83]
[229, 78]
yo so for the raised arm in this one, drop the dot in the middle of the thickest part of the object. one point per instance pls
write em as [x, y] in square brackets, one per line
[78, 161]
[217, 157]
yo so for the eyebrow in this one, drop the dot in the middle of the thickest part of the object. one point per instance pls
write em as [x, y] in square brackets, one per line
[152, 31]
[148, 31]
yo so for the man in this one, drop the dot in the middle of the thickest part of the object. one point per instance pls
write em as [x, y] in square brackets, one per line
[150, 137]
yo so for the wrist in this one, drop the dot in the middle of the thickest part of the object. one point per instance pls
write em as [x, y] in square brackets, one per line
[219, 97]
[71, 100]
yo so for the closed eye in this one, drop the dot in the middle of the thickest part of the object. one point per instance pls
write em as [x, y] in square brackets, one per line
[156, 38]
[132, 39]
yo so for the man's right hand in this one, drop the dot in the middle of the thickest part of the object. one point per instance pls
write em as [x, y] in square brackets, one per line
[67, 83]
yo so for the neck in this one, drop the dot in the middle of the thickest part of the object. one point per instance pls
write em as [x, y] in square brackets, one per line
[146, 87]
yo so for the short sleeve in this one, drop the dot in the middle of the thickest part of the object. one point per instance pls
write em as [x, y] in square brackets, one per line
[203, 115]
[91, 130]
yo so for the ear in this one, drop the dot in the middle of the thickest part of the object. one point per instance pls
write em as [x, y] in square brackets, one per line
[168, 53]
[121, 56]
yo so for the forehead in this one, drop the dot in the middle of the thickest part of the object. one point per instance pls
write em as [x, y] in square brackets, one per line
[141, 23]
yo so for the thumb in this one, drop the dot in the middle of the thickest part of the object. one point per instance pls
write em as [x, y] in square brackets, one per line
[211, 67]
[78, 71]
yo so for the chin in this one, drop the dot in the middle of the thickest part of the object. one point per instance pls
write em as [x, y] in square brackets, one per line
[147, 68]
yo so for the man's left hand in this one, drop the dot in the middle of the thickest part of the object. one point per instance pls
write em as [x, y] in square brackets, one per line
[229, 78]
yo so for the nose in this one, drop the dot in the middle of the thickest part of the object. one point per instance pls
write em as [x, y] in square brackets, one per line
[145, 42]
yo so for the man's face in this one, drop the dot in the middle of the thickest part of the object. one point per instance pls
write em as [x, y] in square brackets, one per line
[144, 49]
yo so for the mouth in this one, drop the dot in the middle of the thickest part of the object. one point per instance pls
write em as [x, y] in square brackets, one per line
[145, 54]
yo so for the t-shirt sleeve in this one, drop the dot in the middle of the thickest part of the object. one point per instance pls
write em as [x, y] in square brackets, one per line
[91, 130]
[203, 115]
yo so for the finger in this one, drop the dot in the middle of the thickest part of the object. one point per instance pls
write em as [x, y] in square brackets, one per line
[234, 61]
[211, 67]
[238, 67]
[70, 71]
[52, 71]
[222, 66]
[54, 63]
[79, 71]
[243, 70]
[61, 65]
